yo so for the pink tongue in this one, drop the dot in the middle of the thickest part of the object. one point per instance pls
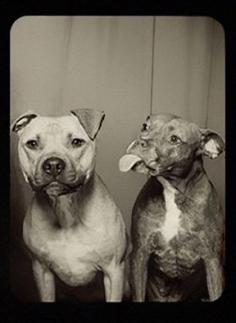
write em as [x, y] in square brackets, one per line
[127, 162]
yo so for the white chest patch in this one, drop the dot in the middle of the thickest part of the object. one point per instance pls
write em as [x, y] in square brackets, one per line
[171, 224]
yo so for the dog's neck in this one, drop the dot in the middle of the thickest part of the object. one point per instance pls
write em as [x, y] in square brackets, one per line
[182, 184]
[68, 208]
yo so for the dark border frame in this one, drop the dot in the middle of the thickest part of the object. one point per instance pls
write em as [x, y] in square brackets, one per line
[222, 309]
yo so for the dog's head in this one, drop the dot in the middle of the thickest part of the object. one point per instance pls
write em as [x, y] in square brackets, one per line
[168, 146]
[57, 154]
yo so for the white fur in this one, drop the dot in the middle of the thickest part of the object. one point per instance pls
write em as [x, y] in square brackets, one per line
[171, 224]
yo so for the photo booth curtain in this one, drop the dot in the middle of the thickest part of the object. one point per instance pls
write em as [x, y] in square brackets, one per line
[62, 63]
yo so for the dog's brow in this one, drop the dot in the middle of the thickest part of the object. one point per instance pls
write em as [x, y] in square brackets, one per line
[33, 137]
[171, 128]
[53, 127]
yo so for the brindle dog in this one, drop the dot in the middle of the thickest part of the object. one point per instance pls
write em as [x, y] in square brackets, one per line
[177, 222]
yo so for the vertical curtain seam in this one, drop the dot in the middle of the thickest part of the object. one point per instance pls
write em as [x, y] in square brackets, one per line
[210, 73]
[152, 63]
[65, 67]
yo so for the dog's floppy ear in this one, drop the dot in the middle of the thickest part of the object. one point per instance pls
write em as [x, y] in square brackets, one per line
[21, 122]
[90, 119]
[211, 144]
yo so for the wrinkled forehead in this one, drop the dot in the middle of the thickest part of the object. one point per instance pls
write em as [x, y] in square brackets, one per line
[186, 130]
[54, 126]
[167, 124]
[158, 120]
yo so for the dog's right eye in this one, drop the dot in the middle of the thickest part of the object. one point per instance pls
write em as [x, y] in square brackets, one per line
[143, 144]
[32, 144]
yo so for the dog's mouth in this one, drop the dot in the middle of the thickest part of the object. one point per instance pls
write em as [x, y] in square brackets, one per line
[129, 161]
[134, 162]
[57, 187]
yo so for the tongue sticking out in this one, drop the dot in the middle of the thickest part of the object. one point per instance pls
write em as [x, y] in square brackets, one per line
[127, 162]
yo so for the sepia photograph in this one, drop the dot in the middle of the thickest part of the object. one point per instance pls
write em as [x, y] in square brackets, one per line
[117, 190]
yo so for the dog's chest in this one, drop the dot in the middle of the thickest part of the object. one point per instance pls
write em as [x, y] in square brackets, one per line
[171, 224]
[74, 255]
[175, 242]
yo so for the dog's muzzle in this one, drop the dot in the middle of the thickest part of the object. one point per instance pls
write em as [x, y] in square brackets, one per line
[56, 176]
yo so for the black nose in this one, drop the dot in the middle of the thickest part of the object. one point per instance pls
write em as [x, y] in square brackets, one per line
[53, 166]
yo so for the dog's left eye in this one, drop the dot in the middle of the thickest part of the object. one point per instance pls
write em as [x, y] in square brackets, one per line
[175, 139]
[77, 142]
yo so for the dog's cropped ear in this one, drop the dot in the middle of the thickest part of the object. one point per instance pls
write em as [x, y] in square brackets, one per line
[146, 124]
[211, 144]
[21, 122]
[90, 119]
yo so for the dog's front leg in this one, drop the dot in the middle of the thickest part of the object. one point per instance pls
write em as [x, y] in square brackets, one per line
[139, 261]
[114, 282]
[45, 281]
[215, 278]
